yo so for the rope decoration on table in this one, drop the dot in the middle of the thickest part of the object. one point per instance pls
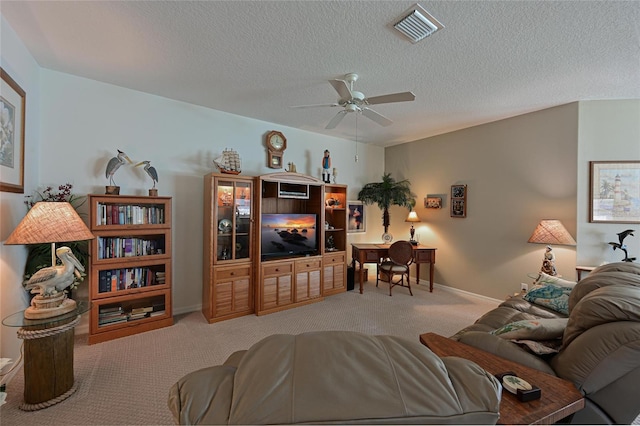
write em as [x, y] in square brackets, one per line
[37, 334]
[49, 403]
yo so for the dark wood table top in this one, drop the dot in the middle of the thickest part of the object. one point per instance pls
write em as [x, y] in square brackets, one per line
[559, 397]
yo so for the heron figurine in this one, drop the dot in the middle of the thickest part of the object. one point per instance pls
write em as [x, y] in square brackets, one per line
[49, 281]
[151, 171]
[114, 164]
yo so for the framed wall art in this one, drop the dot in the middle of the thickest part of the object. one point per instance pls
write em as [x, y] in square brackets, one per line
[12, 116]
[431, 202]
[614, 191]
[459, 201]
[356, 219]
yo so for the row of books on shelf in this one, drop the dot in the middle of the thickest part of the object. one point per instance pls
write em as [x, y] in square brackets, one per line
[127, 214]
[124, 279]
[109, 315]
[114, 247]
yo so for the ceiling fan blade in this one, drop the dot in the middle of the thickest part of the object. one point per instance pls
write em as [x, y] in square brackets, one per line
[336, 119]
[342, 88]
[393, 97]
[378, 118]
[315, 105]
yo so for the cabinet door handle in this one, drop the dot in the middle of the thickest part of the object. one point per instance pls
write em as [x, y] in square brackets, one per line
[233, 273]
[277, 270]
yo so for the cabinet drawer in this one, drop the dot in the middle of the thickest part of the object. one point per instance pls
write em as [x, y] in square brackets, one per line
[308, 265]
[227, 274]
[279, 269]
[332, 259]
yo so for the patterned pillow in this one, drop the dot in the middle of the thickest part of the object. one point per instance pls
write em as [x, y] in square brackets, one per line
[552, 296]
[534, 329]
[544, 279]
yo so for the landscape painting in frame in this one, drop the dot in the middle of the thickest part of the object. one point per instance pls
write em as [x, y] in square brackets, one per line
[615, 191]
[356, 222]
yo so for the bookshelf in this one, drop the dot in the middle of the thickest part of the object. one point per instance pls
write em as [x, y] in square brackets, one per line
[228, 247]
[130, 265]
[334, 257]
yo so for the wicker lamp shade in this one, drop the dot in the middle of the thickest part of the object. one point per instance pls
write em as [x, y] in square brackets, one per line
[50, 222]
[551, 231]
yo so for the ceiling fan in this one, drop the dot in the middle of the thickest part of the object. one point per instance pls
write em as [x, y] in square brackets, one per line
[354, 101]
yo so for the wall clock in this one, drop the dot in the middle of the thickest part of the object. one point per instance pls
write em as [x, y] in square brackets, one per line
[276, 144]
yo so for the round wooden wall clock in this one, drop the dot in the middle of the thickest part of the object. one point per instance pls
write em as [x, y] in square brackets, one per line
[276, 144]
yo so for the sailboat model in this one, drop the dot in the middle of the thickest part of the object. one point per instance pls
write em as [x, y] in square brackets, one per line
[229, 162]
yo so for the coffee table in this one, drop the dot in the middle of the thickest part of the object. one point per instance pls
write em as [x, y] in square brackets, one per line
[559, 398]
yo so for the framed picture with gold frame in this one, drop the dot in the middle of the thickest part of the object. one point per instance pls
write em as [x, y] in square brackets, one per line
[12, 108]
[459, 201]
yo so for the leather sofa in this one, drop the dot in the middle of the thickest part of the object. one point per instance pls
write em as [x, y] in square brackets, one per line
[600, 345]
[337, 377]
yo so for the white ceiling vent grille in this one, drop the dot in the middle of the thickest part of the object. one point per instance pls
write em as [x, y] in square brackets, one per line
[417, 24]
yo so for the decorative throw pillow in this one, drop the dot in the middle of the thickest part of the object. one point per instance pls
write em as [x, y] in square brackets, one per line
[534, 329]
[541, 348]
[551, 296]
[544, 279]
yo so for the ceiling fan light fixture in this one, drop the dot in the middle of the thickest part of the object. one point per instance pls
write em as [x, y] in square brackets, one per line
[417, 24]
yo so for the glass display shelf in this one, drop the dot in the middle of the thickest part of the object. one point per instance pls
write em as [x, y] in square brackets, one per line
[18, 319]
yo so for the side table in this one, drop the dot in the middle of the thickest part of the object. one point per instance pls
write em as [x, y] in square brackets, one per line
[559, 399]
[48, 356]
[581, 269]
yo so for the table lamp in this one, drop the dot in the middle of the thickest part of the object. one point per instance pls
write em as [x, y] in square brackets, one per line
[413, 217]
[51, 222]
[551, 231]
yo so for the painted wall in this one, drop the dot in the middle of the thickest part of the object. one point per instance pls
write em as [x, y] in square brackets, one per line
[20, 65]
[609, 131]
[86, 121]
[518, 171]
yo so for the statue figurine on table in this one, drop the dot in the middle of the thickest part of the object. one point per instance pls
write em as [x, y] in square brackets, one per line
[326, 167]
[549, 262]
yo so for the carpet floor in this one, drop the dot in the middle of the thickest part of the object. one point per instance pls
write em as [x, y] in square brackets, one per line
[126, 381]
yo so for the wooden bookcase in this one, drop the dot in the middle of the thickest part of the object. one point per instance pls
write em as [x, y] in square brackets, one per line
[228, 271]
[130, 265]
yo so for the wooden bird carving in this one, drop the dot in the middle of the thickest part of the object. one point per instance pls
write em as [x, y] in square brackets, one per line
[51, 280]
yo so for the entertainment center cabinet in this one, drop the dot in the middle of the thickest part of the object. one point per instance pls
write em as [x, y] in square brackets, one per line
[286, 243]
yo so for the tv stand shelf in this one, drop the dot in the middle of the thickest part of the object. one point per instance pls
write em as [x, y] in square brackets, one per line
[298, 278]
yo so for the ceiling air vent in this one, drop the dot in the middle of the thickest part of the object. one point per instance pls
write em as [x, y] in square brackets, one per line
[417, 24]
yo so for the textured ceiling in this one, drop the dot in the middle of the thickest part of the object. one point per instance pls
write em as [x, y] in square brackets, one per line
[493, 59]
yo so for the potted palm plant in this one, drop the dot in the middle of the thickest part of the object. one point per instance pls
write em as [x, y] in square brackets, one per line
[385, 194]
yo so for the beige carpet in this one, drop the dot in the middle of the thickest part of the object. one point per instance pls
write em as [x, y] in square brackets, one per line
[126, 381]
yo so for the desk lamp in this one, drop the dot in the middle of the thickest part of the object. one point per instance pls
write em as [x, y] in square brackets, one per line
[51, 222]
[551, 231]
[413, 217]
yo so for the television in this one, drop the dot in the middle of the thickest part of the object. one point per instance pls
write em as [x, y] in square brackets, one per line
[288, 235]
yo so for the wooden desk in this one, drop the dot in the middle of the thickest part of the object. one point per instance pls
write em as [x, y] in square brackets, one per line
[559, 398]
[371, 253]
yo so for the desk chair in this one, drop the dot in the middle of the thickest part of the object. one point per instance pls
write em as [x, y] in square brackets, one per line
[400, 257]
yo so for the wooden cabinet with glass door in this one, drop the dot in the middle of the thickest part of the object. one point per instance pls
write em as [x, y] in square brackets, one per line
[228, 247]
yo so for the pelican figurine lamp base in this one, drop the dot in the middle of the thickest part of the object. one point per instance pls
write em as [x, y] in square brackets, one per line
[48, 307]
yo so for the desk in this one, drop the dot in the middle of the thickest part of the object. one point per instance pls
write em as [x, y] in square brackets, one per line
[559, 397]
[48, 356]
[371, 253]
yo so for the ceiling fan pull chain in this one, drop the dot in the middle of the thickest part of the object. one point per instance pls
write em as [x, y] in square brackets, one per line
[356, 138]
